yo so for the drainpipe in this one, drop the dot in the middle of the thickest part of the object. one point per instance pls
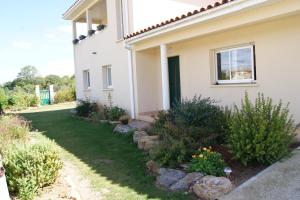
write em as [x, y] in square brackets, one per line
[131, 81]
[4, 195]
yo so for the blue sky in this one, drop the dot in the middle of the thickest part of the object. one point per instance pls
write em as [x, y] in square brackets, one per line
[32, 32]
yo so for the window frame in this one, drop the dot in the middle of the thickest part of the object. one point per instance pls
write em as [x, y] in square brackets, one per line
[86, 79]
[229, 49]
[105, 77]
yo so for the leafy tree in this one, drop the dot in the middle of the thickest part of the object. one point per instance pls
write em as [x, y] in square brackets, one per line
[28, 73]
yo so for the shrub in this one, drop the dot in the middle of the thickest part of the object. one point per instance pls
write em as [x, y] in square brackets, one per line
[188, 125]
[207, 162]
[113, 113]
[260, 132]
[3, 99]
[30, 167]
[202, 113]
[86, 108]
[19, 100]
[12, 129]
[65, 95]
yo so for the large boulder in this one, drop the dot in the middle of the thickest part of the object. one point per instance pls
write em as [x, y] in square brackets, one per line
[148, 142]
[168, 177]
[211, 187]
[185, 183]
[137, 135]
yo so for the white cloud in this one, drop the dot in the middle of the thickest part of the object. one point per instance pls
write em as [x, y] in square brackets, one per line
[58, 67]
[23, 45]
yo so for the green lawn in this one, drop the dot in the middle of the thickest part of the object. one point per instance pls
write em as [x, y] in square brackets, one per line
[111, 162]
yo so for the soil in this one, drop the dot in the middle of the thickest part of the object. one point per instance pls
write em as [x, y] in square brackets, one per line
[69, 185]
[240, 173]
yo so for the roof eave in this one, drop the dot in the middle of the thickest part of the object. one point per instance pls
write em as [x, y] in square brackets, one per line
[69, 14]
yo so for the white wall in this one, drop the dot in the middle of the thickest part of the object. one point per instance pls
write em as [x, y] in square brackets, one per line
[150, 12]
[108, 52]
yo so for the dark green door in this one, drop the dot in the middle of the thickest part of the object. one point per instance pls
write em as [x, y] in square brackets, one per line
[174, 80]
[45, 97]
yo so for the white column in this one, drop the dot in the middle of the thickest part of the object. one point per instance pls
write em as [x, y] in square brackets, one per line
[165, 77]
[88, 20]
[51, 91]
[74, 30]
[131, 86]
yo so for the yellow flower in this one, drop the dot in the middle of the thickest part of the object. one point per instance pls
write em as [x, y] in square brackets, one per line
[201, 156]
[204, 148]
[194, 156]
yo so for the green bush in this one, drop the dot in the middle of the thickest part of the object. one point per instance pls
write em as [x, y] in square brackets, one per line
[19, 100]
[12, 129]
[3, 99]
[202, 113]
[260, 132]
[30, 167]
[86, 108]
[113, 113]
[187, 126]
[207, 162]
[65, 95]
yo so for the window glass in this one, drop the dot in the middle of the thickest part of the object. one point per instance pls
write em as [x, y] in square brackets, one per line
[235, 65]
[107, 77]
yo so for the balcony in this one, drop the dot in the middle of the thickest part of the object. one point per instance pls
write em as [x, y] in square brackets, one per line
[89, 21]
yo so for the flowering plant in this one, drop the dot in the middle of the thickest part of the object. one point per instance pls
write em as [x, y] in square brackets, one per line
[208, 162]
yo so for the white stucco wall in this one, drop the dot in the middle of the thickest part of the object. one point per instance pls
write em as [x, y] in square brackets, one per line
[277, 51]
[108, 52]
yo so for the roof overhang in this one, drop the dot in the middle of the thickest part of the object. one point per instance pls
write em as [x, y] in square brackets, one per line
[78, 8]
[210, 15]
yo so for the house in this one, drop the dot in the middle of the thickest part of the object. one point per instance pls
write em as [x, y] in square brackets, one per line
[218, 49]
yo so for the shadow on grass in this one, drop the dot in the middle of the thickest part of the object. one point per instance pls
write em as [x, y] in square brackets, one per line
[110, 155]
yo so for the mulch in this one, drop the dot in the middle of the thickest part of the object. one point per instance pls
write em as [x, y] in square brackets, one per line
[241, 173]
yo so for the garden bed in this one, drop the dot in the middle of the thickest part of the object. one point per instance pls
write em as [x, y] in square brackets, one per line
[240, 173]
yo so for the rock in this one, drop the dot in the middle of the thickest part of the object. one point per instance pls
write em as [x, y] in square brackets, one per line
[168, 177]
[185, 183]
[297, 138]
[123, 129]
[139, 125]
[211, 187]
[185, 167]
[138, 135]
[148, 142]
[152, 167]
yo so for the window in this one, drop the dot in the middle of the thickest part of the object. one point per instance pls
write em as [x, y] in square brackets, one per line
[86, 79]
[236, 65]
[120, 23]
[107, 77]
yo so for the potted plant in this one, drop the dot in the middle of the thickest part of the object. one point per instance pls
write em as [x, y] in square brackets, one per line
[91, 32]
[124, 119]
[75, 41]
[101, 27]
[82, 37]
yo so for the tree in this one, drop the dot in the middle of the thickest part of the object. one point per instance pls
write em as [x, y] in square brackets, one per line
[28, 73]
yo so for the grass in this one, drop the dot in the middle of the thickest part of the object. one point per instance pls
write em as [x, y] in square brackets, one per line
[111, 162]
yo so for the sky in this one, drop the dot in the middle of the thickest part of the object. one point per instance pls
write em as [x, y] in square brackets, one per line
[32, 32]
